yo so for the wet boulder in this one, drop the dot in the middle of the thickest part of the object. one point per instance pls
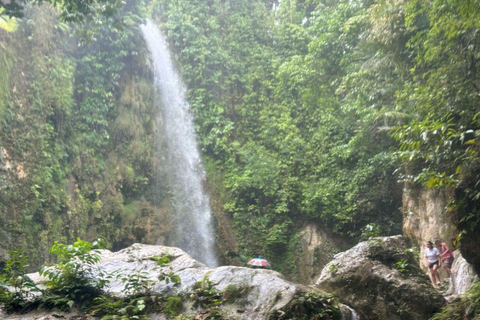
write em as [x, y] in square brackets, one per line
[380, 280]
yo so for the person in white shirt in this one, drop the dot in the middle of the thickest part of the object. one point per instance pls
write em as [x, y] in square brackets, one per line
[432, 256]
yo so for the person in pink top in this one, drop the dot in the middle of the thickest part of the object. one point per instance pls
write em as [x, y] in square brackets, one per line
[446, 255]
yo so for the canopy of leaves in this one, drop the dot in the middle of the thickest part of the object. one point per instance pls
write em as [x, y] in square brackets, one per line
[313, 110]
[71, 10]
[306, 111]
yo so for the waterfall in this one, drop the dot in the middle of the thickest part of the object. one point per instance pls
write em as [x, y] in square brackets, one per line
[463, 275]
[348, 313]
[193, 230]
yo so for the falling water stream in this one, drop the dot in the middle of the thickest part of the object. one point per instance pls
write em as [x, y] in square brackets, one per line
[193, 230]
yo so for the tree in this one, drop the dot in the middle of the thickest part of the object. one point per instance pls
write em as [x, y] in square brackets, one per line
[87, 11]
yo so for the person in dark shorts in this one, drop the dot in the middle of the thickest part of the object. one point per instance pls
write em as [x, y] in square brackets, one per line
[432, 256]
[446, 256]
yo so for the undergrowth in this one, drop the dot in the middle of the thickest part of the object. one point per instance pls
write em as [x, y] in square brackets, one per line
[76, 281]
[466, 308]
[309, 306]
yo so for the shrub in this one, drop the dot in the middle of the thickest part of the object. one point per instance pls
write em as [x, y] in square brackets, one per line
[14, 275]
[174, 306]
[205, 294]
[232, 293]
[74, 276]
[369, 231]
[309, 305]
[466, 308]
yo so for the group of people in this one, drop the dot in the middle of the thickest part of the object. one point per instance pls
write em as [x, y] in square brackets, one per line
[436, 259]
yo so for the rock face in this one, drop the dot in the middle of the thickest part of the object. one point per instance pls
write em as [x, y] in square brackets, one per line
[318, 248]
[373, 279]
[425, 219]
[267, 290]
[463, 275]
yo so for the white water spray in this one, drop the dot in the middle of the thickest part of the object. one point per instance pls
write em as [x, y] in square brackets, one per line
[348, 313]
[193, 218]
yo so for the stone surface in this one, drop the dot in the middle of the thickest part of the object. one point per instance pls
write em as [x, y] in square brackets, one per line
[268, 290]
[425, 218]
[318, 248]
[41, 315]
[366, 279]
[470, 248]
[463, 276]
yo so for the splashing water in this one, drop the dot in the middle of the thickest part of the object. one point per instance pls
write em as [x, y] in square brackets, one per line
[349, 314]
[193, 218]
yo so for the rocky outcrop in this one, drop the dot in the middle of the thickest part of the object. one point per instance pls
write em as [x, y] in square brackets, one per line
[426, 219]
[266, 291]
[380, 281]
[318, 248]
[470, 248]
[463, 276]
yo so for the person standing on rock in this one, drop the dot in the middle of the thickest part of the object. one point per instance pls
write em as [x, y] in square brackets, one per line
[446, 255]
[432, 256]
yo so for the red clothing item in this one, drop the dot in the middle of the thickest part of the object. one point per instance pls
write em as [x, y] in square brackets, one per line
[446, 252]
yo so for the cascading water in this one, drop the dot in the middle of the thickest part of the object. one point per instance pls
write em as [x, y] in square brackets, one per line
[463, 276]
[348, 313]
[193, 219]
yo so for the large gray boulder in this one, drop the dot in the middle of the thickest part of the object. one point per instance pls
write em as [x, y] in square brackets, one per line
[266, 292]
[380, 281]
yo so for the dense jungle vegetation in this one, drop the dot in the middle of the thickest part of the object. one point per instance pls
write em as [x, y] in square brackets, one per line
[319, 110]
[306, 111]
[77, 135]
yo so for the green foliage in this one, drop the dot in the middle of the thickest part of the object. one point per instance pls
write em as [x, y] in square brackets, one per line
[311, 112]
[110, 308]
[413, 253]
[276, 240]
[5, 66]
[465, 308]
[14, 276]
[333, 268]
[174, 306]
[170, 276]
[309, 305]
[370, 230]
[71, 10]
[233, 293]
[439, 146]
[74, 276]
[77, 132]
[313, 100]
[287, 259]
[139, 299]
[75, 281]
[273, 114]
[205, 295]
[136, 283]
[401, 265]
